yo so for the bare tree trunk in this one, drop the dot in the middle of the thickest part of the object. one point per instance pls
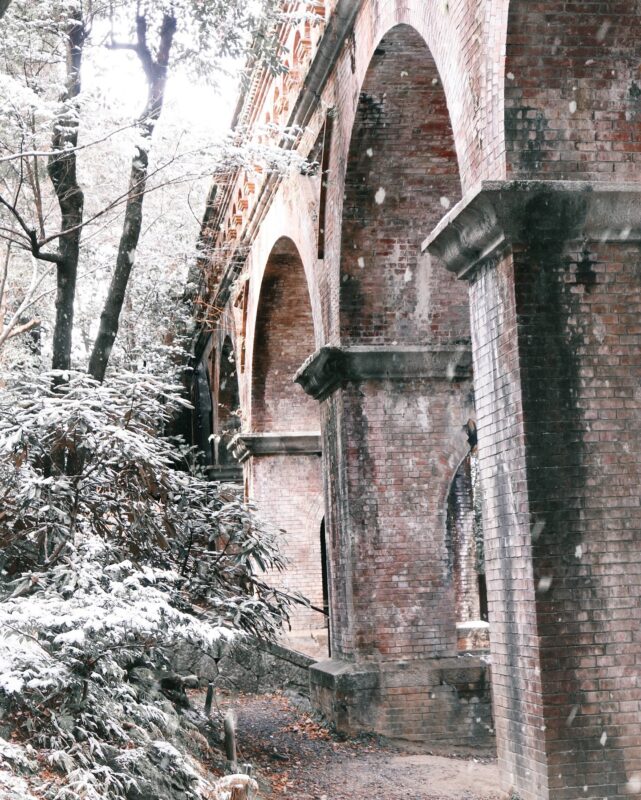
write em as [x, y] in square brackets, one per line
[156, 73]
[62, 171]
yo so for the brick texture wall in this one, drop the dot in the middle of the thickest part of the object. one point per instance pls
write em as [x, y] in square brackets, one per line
[392, 579]
[573, 90]
[283, 339]
[443, 94]
[516, 679]
[288, 491]
[401, 159]
[288, 488]
[561, 477]
[579, 341]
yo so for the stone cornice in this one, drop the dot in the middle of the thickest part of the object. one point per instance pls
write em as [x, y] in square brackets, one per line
[331, 367]
[498, 214]
[244, 445]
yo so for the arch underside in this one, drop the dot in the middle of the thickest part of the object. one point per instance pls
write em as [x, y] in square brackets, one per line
[284, 338]
[402, 175]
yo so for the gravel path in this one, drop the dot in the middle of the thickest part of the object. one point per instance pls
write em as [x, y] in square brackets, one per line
[295, 757]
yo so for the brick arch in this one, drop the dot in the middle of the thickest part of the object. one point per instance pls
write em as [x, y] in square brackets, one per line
[453, 33]
[227, 413]
[462, 521]
[401, 176]
[573, 90]
[283, 338]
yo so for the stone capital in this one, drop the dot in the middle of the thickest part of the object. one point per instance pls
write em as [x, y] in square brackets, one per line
[244, 445]
[498, 214]
[331, 367]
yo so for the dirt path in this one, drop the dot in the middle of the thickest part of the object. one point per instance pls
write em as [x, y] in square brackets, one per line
[294, 757]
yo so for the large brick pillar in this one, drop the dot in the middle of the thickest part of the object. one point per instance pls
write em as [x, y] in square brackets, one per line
[555, 298]
[393, 440]
[283, 477]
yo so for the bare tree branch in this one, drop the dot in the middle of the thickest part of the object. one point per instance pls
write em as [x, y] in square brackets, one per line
[35, 246]
[156, 72]
[33, 323]
[10, 329]
[67, 150]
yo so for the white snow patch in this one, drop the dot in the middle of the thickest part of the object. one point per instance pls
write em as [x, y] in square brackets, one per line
[544, 584]
[537, 529]
[572, 715]
[361, 262]
[572, 106]
[408, 275]
[445, 202]
[603, 739]
[369, 152]
[380, 196]
[510, 76]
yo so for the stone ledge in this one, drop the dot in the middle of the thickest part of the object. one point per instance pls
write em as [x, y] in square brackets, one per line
[244, 445]
[435, 700]
[497, 214]
[330, 367]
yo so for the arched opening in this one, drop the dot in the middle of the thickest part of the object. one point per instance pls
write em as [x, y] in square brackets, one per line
[402, 173]
[284, 469]
[202, 416]
[325, 580]
[393, 423]
[464, 539]
[228, 419]
[402, 176]
[284, 338]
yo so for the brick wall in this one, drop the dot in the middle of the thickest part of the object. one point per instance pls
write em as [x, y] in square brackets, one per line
[573, 90]
[288, 492]
[284, 337]
[392, 583]
[288, 488]
[401, 160]
[557, 373]
[534, 89]
[579, 339]
[516, 677]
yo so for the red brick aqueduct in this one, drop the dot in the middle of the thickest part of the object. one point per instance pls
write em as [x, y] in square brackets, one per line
[467, 247]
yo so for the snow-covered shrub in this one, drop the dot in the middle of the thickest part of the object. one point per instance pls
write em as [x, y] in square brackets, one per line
[113, 555]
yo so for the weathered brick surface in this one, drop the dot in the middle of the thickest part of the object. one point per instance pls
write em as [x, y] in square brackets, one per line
[387, 293]
[288, 492]
[581, 369]
[573, 90]
[516, 679]
[560, 478]
[283, 338]
[392, 582]
[445, 94]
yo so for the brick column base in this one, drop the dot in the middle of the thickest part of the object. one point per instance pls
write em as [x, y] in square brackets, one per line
[441, 701]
